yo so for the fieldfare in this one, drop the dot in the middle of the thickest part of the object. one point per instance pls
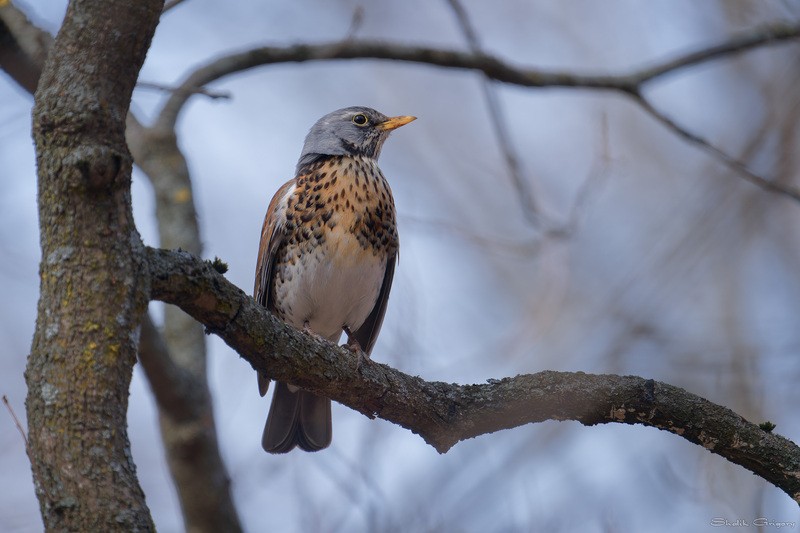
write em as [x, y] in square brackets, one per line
[326, 258]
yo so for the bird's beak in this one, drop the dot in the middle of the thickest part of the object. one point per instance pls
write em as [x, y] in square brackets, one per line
[395, 122]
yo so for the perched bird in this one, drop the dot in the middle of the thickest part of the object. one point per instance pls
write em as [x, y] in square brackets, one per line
[326, 258]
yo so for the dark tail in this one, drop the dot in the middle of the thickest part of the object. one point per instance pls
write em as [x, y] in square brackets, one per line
[297, 418]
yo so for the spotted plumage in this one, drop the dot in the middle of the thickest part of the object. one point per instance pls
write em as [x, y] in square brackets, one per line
[327, 255]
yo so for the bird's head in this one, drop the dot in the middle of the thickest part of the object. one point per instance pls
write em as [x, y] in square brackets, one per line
[353, 131]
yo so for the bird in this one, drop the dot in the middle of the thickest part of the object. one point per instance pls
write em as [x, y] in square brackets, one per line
[326, 258]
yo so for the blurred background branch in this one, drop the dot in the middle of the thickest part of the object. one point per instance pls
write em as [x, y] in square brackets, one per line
[522, 184]
[497, 69]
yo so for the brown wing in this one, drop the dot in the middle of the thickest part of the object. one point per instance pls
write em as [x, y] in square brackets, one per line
[272, 236]
[367, 334]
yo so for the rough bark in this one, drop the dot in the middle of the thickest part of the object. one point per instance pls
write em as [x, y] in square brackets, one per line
[93, 292]
[175, 368]
[444, 414]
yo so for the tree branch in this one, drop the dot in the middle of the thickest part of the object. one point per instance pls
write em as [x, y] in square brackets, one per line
[175, 362]
[496, 69]
[766, 35]
[492, 67]
[23, 47]
[189, 434]
[444, 414]
[523, 188]
[174, 389]
[728, 160]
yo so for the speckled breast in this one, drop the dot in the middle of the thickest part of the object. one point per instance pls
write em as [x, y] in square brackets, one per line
[341, 230]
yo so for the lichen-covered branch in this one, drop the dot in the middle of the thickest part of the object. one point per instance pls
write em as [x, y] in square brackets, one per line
[444, 414]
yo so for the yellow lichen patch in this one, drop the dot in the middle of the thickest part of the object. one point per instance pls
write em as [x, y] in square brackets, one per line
[618, 414]
[67, 295]
[182, 195]
[88, 351]
[91, 326]
[707, 441]
[3, 3]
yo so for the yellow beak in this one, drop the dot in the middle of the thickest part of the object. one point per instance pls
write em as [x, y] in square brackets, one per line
[395, 122]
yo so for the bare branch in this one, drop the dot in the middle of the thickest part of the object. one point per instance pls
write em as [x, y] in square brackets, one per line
[355, 23]
[175, 362]
[498, 70]
[590, 183]
[16, 420]
[23, 47]
[520, 183]
[766, 35]
[214, 95]
[189, 434]
[173, 387]
[444, 414]
[729, 161]
[490, 66]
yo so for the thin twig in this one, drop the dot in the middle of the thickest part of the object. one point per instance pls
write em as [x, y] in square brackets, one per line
[766, 35]
[591, 181]
[16, 420]
[214, 95]
[729, 161]
[524, 247]
[521, 184]
[355, 23]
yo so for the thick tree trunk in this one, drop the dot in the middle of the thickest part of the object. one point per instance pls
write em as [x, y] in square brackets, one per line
[93, 281]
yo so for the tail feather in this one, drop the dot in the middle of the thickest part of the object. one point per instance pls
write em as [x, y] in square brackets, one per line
[298, 418]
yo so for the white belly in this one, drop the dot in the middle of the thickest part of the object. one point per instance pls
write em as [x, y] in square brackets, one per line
[333, 286]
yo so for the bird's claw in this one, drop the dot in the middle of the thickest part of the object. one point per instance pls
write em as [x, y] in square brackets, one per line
[354, 346]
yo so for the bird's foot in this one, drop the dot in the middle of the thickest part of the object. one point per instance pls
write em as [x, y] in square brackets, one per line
[354, 346]
[308, 331]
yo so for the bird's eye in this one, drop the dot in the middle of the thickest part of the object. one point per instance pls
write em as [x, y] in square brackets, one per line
[360, 119]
